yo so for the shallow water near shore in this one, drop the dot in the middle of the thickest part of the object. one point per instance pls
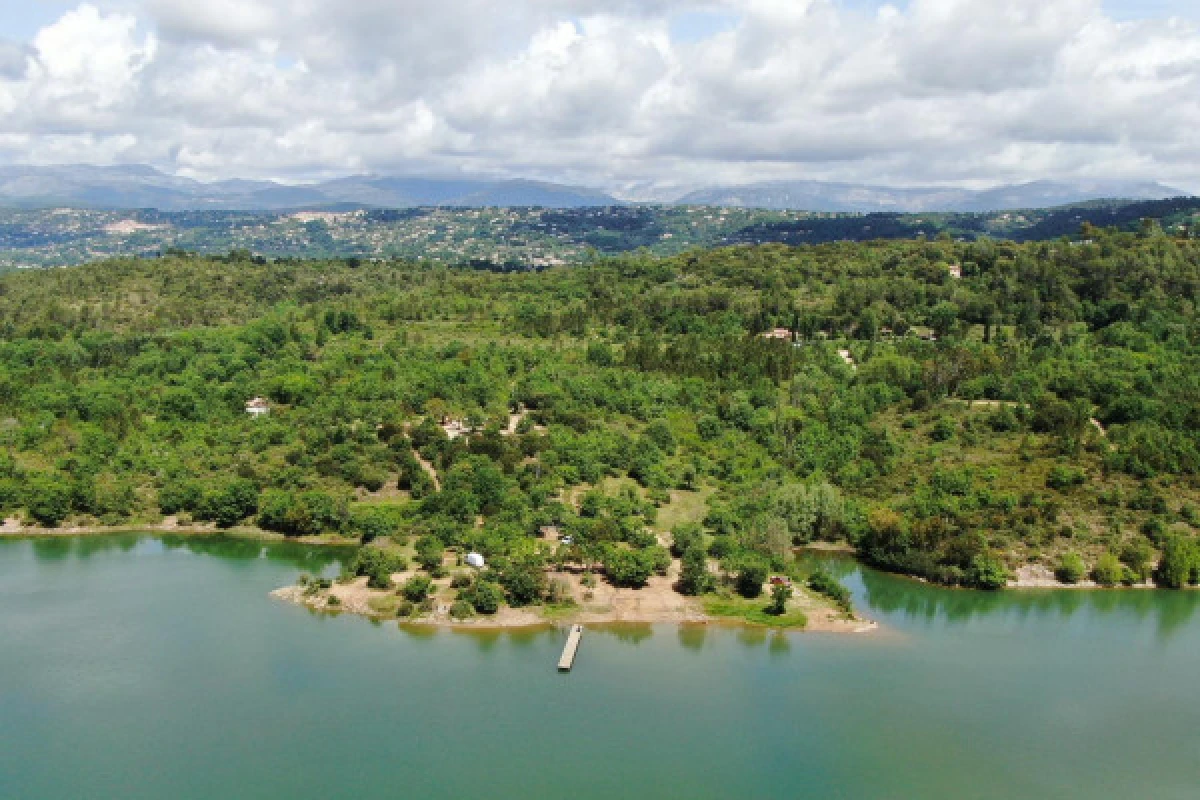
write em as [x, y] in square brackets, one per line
[147, 667]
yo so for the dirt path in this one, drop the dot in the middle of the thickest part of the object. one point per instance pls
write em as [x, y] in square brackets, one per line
[429, 468]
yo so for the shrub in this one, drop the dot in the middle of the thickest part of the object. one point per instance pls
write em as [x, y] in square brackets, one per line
[372, 523]
[378, 565]
[1062, 477]
[461, 580]
[987, 572]
[417, 588]
[695, 579]
[1108, 570]
[48, 501]
[629, 568]
[230, 504]
[1137, 556]
[524, 582]
[780, 594]
[1179, 564]
[429, 552]
[822, 582]
[461, 609]
[484, 597]
[1070, 568]
[751, 573]
[943, 429]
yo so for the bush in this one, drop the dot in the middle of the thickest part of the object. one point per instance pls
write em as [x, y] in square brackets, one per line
[48, 501]
[987, 572]
[695, 579]
[524, 582]
[780, 594]
[1070, 568]
[429, 552]
[720, 547]
[751, 574]
[1136, 556]
[230, 504]
[378, 565]
[485, 597]
[417, 588]
[1108, 570]
[1180, 563]
[822, 582]
[629, 568]
[371, 523]
[461, 609]
[1062, 477]
[461, 580]
[405, 608]
[943, 429]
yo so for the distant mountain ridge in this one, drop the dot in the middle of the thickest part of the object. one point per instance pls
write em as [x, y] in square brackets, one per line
[864, 198]
[138, 187]
[144, 187]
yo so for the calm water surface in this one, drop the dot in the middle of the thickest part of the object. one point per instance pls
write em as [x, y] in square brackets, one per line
[141, 667]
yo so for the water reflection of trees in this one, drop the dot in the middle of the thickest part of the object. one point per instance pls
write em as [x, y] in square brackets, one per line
[228, 548]
[233, 548]
[894, 595]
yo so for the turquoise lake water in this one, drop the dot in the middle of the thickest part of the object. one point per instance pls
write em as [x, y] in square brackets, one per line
[142, 667]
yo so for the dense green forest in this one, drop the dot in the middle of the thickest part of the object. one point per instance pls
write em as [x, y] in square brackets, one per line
[953, 410]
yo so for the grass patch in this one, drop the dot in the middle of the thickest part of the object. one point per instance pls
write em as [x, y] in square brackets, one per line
[558, 610]
[384, 606]
[684, 507]
[753, 612]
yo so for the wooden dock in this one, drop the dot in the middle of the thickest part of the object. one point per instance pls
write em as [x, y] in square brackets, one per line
[568, 654]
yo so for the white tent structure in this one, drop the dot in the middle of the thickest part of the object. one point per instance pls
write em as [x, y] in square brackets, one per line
[475, 560]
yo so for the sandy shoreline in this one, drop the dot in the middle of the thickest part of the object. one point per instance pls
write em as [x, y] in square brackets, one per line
[1038, 576]
[657, 603]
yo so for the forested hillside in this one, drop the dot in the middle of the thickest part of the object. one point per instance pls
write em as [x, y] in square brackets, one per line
[525, 238]
[1044, 407]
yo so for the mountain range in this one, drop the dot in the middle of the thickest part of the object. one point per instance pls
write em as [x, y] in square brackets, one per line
[849, 197]
[143, 187]
[134, 187]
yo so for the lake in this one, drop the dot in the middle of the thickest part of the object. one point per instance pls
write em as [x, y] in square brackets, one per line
[144, 667]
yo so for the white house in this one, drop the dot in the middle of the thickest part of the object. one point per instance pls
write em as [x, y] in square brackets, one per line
[475, 560]
[258, 407]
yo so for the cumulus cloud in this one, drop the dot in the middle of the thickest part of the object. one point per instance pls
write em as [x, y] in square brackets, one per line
[610, 93]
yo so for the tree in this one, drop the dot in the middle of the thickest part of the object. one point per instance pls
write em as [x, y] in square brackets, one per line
[1070, 568]
[780, 594]
[230, 504]
[429, 552]
[417, 588]
[751, 575]
[524, 581]
[987, 572]
[485, 597]
[686, 536]
[628, 568]
[48, 500]
[694, 578]
[1179, 563]
[1108, 570]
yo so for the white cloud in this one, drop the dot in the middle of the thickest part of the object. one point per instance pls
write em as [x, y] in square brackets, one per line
[970, 91]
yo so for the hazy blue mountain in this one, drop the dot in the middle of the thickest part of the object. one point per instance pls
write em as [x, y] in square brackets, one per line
[134, 187]
[129, 187]
[847, 197]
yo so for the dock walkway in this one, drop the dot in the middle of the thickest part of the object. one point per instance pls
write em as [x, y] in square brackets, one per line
[568, 654]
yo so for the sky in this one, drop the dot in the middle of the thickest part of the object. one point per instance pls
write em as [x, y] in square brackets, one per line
[644, 98]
